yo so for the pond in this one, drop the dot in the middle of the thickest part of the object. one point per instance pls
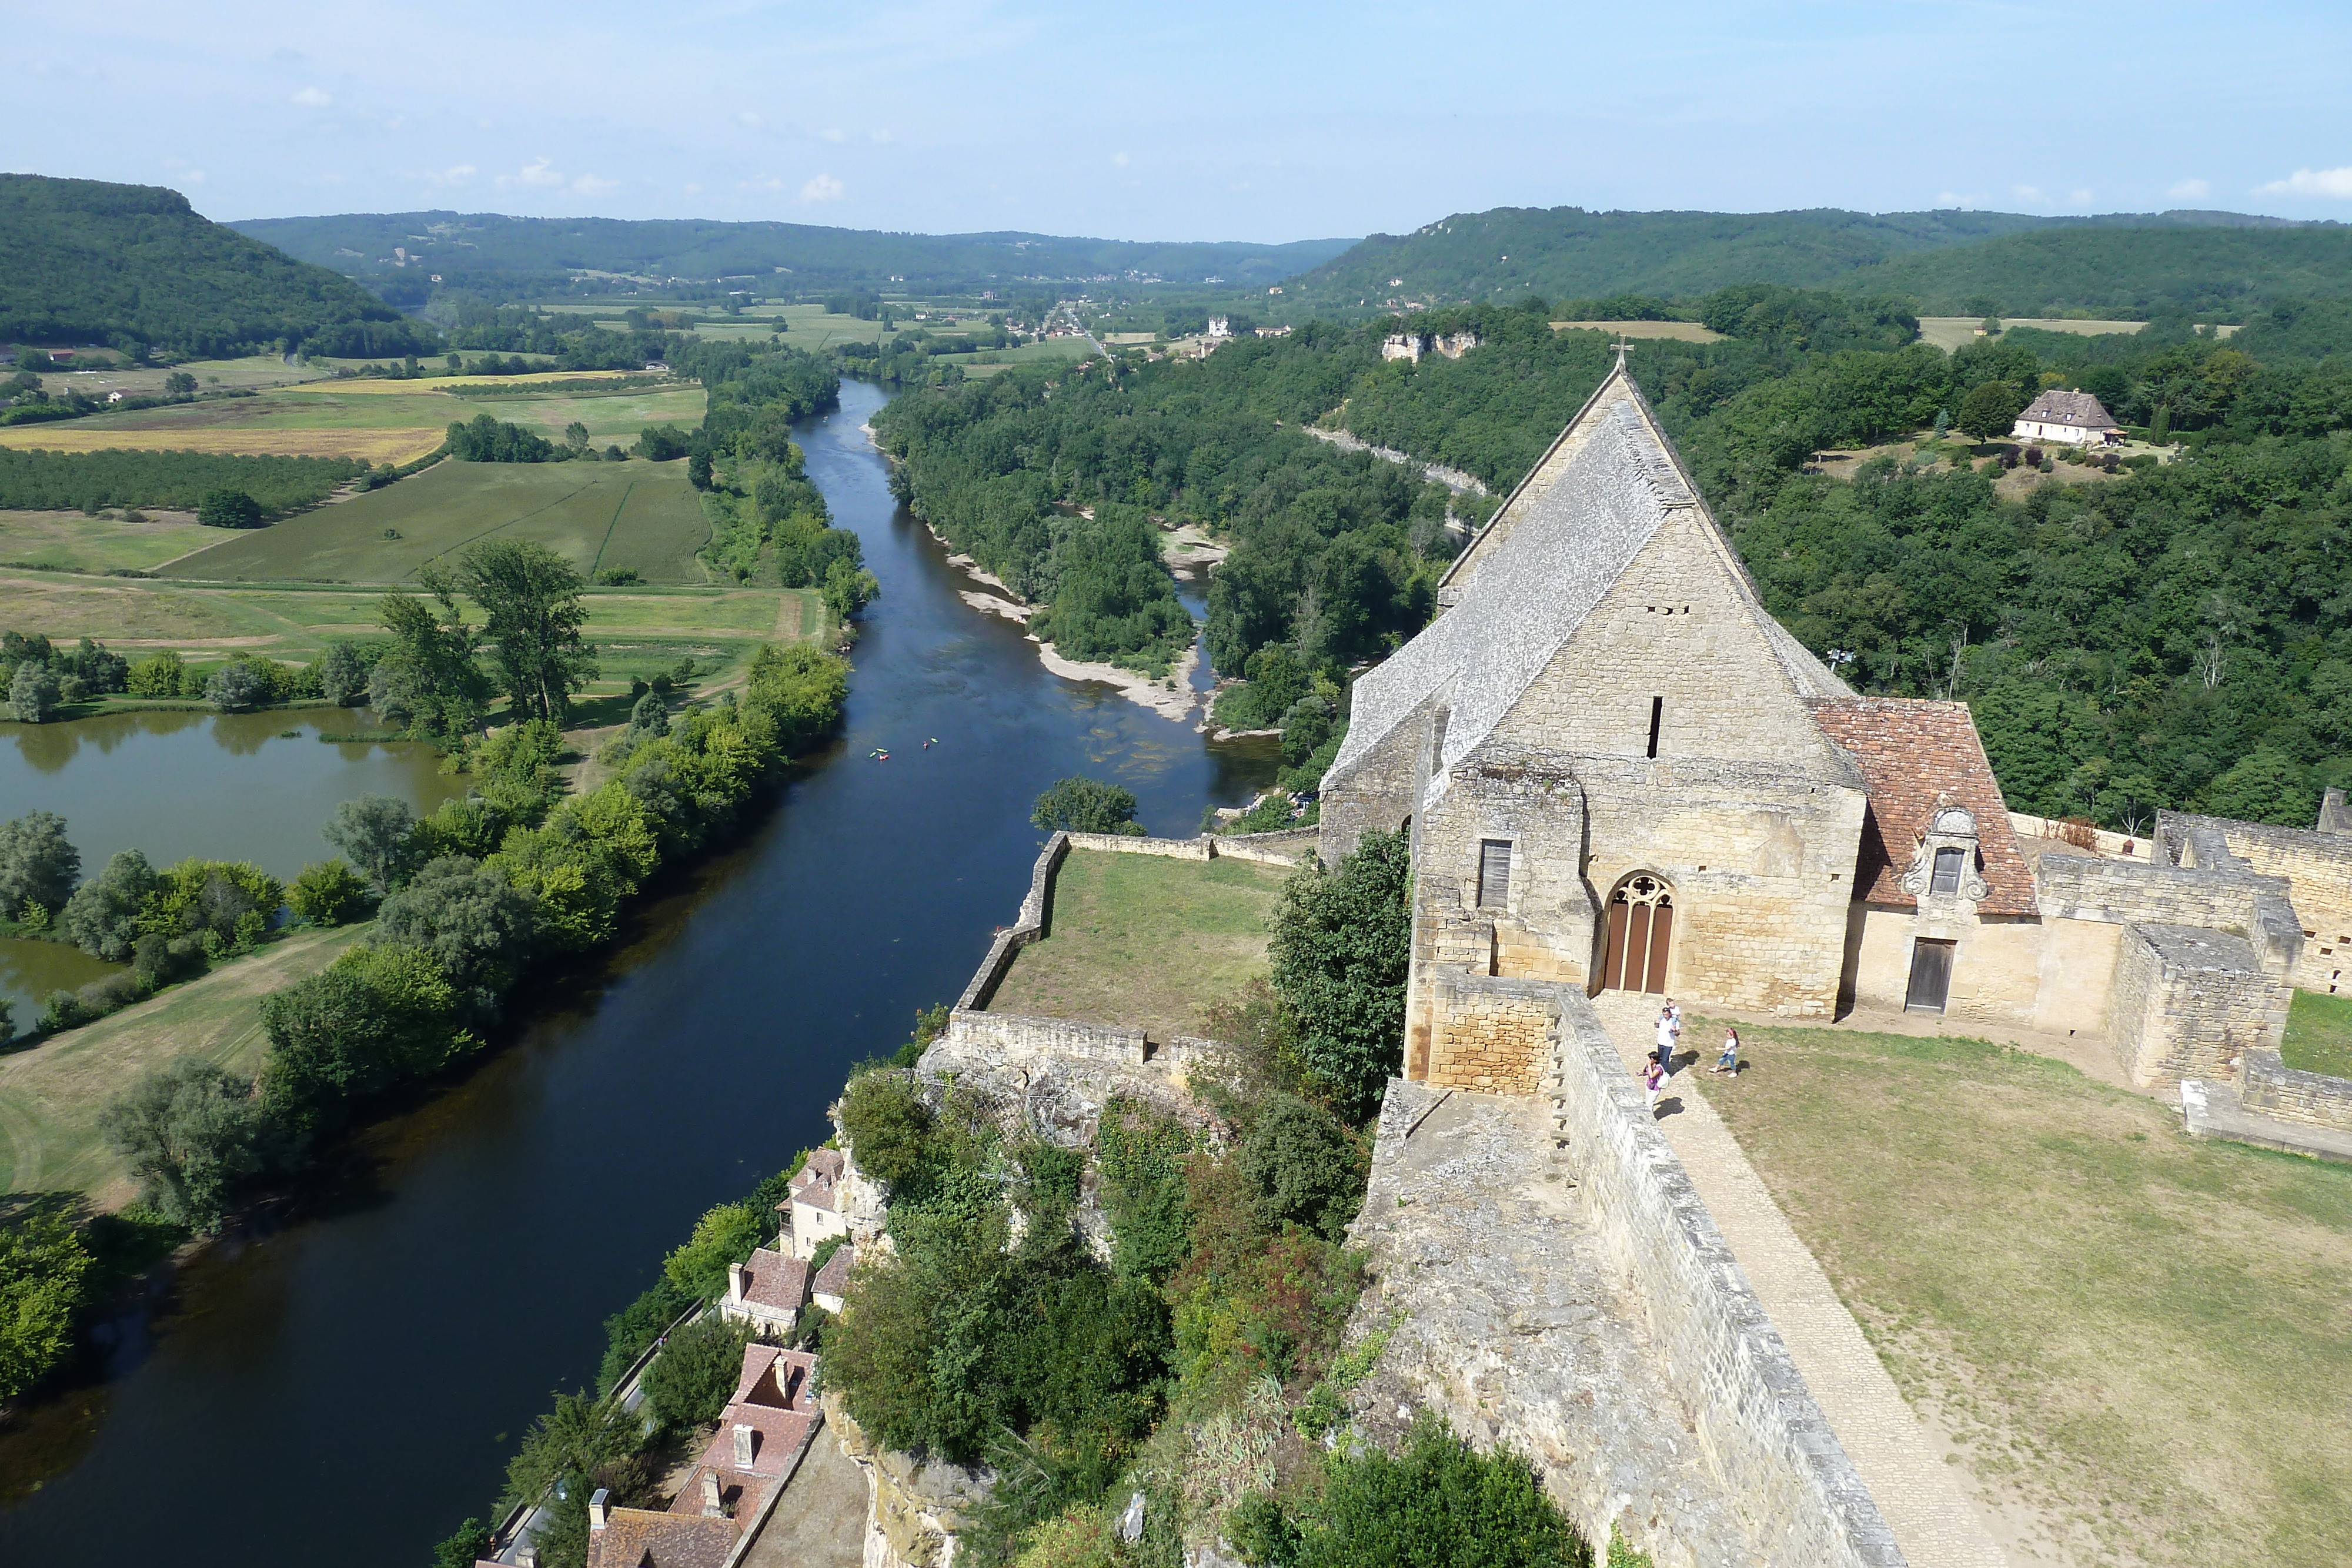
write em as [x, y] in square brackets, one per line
[225, 785]
[352, 1382]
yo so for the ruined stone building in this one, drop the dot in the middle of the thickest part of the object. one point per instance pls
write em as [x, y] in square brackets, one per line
[1619, 772]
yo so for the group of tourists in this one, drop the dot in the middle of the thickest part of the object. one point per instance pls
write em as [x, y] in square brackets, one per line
[1661, 1063]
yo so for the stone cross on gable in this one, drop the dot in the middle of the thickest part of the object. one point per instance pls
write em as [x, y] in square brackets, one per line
[1624, 345]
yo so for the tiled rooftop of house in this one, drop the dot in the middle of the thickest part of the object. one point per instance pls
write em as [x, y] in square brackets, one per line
[1914, 753]
[774, 1281]
[833, 1280]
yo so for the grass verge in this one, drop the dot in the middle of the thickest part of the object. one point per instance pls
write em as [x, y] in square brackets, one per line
[50, 1095]
[1144, 941]
[2148, 1338]
[2319, 1034]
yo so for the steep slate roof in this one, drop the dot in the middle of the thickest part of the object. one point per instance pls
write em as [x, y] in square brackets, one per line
[1914, 754]
[1528, 581]
[2069, 408]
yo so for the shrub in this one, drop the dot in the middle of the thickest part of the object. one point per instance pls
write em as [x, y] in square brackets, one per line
[725, 1235]
[342, 674]
[1083, 805]
[1142, 1158]
[1338, 958]
[377, 834]
[222, 507]
[328, 892]
[688, 1383]
[223, 904]
[472, 920]
[37, 864]
[886, 1124]
[237, 687]
[192, 1135]
[102, 918]
[33, 692]
[158, 675]
[44, 1274]
[1302, 1167]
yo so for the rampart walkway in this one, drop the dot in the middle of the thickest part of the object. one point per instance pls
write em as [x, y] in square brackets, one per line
[1933, 1520]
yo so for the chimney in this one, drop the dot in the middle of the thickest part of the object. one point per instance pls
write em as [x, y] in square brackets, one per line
[735, 1283]
[600, 1510]
[712, 1507]
[744, 1438]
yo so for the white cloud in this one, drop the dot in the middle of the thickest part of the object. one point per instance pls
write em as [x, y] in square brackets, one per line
[770, 183]
[457, 171]
[590, 185]
[1953, 199]
[693, 189]
[311, 98]
[822, 188]
[879, 137]
[2081, 198]
[836, 134]
[2333, 183]
[193, 177]
[1120, 159]
[2028, 193]
[535, 172]
[747, 118]
[2190, 189]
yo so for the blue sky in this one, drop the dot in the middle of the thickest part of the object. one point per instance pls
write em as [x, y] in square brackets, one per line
[1206, 120]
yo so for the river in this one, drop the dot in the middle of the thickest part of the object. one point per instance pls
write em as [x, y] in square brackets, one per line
[349, 1385]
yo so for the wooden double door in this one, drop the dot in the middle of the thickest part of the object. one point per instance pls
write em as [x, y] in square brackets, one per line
[1641, 935]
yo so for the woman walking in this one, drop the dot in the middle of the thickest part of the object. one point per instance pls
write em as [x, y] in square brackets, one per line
[1653, 1078]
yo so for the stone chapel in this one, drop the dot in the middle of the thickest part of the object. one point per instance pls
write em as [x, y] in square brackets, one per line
[1619, 772]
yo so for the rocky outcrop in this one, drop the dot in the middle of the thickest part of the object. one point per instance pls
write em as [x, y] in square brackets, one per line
[915, 1506]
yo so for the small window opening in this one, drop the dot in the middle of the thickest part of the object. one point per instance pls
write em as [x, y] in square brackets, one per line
[1657, 714]
[1494, 874]
[1948, 870]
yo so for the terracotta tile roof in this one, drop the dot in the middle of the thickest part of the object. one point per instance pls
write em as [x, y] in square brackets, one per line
[1914, 753]
[818, 1182]
[2069, 408]
[833, 1280]
[772, 1279]
[639, 1538]
[775, 1376]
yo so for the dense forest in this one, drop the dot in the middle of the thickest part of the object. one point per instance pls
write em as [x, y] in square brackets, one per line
[1945, 262]
[2175, 634]
[134, 266]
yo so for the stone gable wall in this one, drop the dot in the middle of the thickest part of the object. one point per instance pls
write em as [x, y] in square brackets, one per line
[1489, 1036]
[2190, 1002]
[2268, 1087]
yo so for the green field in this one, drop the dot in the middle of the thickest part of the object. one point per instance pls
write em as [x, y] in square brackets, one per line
[2145, 1338]
[612, 418]
[2319, 1034]
[71, 542]
[639, 514]
[1143, 941]
[50, 1095]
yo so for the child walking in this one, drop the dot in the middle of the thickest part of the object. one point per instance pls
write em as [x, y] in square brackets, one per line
[1729, 1061]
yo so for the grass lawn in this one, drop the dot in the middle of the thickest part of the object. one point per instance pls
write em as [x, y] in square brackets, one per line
[639, 514]
[73, 542]
[51, 1094]
[1142, 941]
[2319, 1034]
[2147, 1337]
[1949, 332]
[611, 417]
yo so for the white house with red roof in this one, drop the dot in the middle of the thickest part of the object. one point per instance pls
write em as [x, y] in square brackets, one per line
[2069, 418]
[817, 1207]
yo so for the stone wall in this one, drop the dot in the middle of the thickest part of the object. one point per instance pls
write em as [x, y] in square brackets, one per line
[1026, 927]
[1756, 1420]
[2317, 869]
[1375, 794]
[1488, 1035]
[1006, 1035]
[2190, 1002]
[2268, 1087]
[2018, 973]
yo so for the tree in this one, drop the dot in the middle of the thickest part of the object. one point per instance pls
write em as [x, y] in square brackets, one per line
[428, 675]
[377, 1017]
[2264, 786]
[463, 1547]
[886, 1124]
[377, 834]
[698, 470]
[1302, 1168]
[575, 436]
[156, 676]
[192, 1135]
[648, 717]
[342, 674]
[688, 1383]
[1991, 410]
[532, 596]
[473, 921]
[39, 865]
[328, 892]
[237, 687]
[1341, 943]
[1083, 805]
[227, 509]
[180, 383]
[44, 1274]
[847, 588]
[102, 918]
[33, 694]
[725, 1235]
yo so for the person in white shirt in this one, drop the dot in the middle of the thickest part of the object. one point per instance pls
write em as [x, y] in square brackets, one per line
[1666, 1047]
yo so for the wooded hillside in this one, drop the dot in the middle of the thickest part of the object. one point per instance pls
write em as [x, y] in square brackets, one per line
[84, 261]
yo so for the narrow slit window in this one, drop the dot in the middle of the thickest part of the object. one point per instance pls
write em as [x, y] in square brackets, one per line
[1494, 874]
[1949, 864]
[1657, 716]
